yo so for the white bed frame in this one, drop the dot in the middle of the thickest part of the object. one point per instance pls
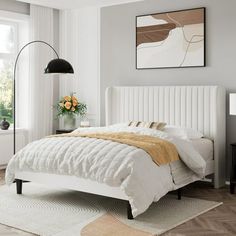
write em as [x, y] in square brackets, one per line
[198, 107]
[202, 108]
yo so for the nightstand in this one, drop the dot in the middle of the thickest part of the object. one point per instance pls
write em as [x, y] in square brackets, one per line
[63, 131]
[233, 169]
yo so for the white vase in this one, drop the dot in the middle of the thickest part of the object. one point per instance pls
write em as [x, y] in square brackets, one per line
[69, 122]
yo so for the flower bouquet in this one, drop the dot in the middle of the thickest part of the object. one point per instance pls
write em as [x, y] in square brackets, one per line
[69, 107]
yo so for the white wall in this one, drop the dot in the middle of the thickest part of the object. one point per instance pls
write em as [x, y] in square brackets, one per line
[118, 49]
[79, 44]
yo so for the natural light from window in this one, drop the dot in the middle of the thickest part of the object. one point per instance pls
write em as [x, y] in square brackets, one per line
[8, 46]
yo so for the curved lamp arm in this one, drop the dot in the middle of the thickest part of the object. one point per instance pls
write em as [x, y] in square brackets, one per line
[26, 45]
[54, 66]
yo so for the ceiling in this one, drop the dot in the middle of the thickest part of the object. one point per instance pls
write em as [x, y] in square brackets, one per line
[72, 4]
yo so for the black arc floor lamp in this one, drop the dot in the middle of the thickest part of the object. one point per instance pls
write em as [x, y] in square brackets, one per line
[55, 66]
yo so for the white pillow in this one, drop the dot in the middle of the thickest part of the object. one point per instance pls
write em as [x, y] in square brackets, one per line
[118, 125]
[182, 132]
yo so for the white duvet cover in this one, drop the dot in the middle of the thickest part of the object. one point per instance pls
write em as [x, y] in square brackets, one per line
[108, 162]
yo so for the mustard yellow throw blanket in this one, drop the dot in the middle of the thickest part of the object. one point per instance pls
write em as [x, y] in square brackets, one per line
[161, 151]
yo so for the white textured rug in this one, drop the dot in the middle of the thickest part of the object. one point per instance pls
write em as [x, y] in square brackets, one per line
[55, 212]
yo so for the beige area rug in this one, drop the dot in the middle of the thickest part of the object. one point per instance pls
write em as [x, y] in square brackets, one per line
[56, 212]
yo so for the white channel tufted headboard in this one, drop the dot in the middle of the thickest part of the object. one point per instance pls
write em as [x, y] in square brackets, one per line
[199, 107]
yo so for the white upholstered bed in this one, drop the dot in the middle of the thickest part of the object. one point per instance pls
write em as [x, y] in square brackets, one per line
[198, 107]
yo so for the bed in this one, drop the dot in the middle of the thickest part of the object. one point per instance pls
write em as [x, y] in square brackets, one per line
[199, 107]
[202, 108]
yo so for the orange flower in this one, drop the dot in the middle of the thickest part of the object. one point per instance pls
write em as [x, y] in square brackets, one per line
[67, 98]
[68, 105]
[75, 103]
[74, 98]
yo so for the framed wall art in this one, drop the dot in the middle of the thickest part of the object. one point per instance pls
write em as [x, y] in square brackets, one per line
[173, 39]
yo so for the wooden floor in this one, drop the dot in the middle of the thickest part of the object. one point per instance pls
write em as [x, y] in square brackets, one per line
[219, 221]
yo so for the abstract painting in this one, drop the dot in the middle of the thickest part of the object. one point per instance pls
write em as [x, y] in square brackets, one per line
[171, 39]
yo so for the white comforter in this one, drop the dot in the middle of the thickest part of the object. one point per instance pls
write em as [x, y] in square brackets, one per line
[107, 162]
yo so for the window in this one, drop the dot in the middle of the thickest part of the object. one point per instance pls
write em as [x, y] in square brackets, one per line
[8, 49]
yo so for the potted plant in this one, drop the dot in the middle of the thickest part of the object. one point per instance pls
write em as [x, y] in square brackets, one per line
[69, 107]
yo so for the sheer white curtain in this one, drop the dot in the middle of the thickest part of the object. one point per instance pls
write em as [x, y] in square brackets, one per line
[80, 45]
[40, 85]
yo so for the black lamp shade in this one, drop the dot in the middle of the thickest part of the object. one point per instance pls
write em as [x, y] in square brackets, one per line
[59, 66]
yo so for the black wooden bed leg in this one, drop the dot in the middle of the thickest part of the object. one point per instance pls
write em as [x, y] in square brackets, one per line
[19, 186]
[179, 192]
[129, 212]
